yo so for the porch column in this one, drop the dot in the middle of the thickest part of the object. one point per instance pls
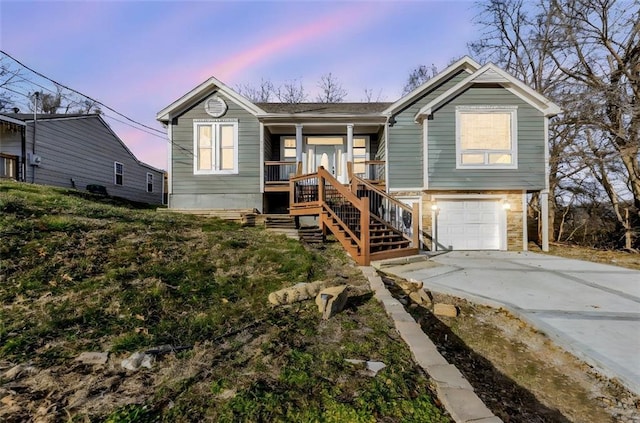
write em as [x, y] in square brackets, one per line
[350, 142]
[349, 150]
[544, 211]
[299, 161]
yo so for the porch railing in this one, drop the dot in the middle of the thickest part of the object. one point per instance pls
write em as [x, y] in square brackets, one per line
[372, 170]
[322, 194]
[8, 166]
[279, 172]
[386, 209]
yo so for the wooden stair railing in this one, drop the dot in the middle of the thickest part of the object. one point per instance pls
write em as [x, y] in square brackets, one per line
[402, 218]
[363, 235]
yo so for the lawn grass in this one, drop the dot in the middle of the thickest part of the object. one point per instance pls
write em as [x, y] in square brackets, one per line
[84, 273]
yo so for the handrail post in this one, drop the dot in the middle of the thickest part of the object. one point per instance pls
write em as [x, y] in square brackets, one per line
[320, 187]
[415, 225]
[292, 193]
[365, 220]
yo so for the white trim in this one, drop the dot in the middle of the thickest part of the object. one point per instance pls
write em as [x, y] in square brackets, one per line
[425, 154]
[547, 168]
[465, 197]
[261, 158]
[169, 162]
[201, 92]
[466, 63]
[215, 147]
[525, 225]
[488, 109]
[115, 173]
[386, 157]
[515, 86]
[12, 120]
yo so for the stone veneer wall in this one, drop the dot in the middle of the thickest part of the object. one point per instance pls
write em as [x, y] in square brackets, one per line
[514, 214]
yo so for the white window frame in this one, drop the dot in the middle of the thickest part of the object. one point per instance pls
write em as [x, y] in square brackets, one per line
[149, 174]
[115, 173]
[513, 111]
[283, 148]
[215, 125]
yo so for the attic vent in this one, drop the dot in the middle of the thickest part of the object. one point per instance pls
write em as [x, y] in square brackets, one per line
[215, 106]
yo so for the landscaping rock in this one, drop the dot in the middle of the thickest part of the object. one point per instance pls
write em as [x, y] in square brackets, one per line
[18, 370]
[296, 293]
[421, 298]
[373, 367]
[332, 300]
[137, 360]
[93, 357]
[408, 286]
[446, 310]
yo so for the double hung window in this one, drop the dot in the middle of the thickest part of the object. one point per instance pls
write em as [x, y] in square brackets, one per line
[118, 173]
[215, 147]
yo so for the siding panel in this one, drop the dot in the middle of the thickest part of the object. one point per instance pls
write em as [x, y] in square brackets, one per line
[81, 151]
[405, 149]
[442, 146]
[216, 191]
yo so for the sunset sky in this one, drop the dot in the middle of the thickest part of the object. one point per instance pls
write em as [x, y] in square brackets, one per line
[139, 56]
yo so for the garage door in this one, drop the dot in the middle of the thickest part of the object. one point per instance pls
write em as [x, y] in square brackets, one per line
[469, 225]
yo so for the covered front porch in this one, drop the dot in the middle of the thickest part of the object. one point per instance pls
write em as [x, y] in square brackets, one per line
[341, 148]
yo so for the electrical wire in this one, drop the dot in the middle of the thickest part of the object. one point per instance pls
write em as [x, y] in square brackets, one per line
[155, 133]
[79, 93]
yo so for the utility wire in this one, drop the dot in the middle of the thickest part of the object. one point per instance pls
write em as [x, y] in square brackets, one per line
[79, 93]
[164, 137]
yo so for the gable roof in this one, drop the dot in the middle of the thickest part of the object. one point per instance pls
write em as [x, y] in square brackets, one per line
[466, 64]
[492, 74]
[199, 93]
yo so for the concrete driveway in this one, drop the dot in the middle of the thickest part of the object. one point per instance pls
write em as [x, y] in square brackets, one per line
[590, 309]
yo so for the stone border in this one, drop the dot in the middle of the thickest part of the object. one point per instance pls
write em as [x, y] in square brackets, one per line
[453, 390]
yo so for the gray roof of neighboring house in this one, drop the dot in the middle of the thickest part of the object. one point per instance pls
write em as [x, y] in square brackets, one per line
[323, 108]
[42, 116]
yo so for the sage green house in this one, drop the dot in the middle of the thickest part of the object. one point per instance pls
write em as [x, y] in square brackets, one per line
[469, 147]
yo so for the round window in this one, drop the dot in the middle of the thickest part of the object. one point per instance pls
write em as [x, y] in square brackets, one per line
[215, 106]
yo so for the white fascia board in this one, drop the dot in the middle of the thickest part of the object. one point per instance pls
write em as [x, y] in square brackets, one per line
[12, 120]
[466, 63]
[514, 85]
[201, 91]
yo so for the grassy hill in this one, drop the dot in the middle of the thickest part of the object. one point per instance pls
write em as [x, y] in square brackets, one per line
[80, 273]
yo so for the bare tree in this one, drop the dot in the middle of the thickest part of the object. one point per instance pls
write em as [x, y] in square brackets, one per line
[584, 55]
[370, 97]
[291, 92]
[10, 79]
[331, 90]
[419, 76]
[262, 93]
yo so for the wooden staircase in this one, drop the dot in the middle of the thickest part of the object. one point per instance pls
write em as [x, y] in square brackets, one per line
[364, 219]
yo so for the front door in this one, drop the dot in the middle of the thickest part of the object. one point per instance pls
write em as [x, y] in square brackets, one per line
[330, 157]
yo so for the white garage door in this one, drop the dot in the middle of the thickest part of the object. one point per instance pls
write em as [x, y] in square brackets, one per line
[469, 225]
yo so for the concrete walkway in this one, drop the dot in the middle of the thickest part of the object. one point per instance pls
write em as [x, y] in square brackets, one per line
[590, 309]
